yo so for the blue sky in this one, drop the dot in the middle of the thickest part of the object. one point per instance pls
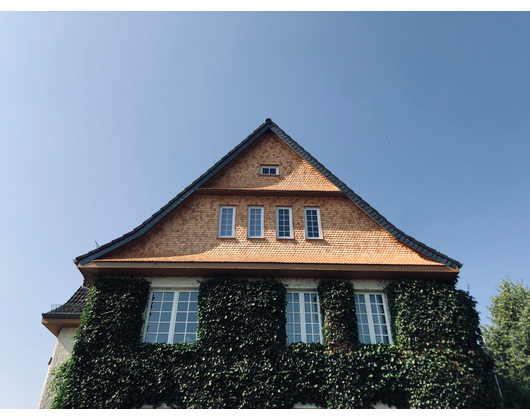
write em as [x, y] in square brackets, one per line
[105, 117]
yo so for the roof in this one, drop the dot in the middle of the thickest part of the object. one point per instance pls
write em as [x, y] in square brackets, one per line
[69, 314]
[202, 181]
[75, 304]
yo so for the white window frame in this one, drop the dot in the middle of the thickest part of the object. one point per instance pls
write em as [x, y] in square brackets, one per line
[370, 314]
[290, 223]
[175, 314]
[233, 222]
[319, 223]
[269, 167]
[262, 211]
[303, 324]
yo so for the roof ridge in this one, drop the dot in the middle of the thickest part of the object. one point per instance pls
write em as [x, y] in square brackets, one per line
[269, 124]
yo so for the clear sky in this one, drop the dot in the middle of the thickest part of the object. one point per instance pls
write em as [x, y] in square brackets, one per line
[105, 117]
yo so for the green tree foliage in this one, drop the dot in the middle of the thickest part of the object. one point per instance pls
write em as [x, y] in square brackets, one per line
[508, 339]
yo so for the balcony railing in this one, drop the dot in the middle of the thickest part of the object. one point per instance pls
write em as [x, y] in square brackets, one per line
[62, 308]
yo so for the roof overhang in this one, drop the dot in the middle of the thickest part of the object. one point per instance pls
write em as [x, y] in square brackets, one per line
[95, 269]
[56, 322]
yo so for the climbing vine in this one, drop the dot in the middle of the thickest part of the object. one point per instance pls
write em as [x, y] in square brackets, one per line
[241, 359]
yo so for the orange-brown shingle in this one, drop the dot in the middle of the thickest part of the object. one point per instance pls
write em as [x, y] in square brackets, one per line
[296, 174]
[189, 234]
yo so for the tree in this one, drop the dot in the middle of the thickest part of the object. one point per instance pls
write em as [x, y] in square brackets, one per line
[508, 340]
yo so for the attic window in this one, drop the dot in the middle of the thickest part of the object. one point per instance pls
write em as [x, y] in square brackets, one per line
[227, 221]
[313, 228]
[284, 223]
[269, 170]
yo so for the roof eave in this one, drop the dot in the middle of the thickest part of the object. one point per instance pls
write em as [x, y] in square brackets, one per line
[97, 269]
[56, 322]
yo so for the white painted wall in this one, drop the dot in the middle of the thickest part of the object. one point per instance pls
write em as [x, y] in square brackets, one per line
[61, 352]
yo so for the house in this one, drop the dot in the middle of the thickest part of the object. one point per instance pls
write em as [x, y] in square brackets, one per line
[266, 210]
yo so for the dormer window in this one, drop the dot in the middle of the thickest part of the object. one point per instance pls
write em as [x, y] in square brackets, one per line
[269, 170]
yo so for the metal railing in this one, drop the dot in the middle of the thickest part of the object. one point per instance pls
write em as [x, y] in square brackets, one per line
[63, 308]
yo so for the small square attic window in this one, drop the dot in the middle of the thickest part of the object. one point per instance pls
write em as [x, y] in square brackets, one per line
[269, 170]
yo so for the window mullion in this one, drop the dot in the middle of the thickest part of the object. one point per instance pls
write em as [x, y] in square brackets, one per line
[302, 317]
[370, 319]
[173, 318]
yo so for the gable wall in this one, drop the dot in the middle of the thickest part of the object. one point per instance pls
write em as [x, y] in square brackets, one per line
[189, 232]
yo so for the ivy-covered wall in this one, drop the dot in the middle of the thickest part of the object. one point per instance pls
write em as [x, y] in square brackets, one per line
[241, 359]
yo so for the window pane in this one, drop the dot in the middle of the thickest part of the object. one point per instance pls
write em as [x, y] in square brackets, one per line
[312, 317]
[362, 319]
[186, 321]
[372, 320]
[284, 223]
[311, 219]
[293, 318]
[303, 320]
[161, 306]
[159, 328]
[226, 222]
[254, 222]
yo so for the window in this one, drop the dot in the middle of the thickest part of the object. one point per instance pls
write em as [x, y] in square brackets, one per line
[372, 321]
[284, 223]
[313, 229]
[303, 318]
[227, 222]
[269, 170]
[172, 318]
[255, 222]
